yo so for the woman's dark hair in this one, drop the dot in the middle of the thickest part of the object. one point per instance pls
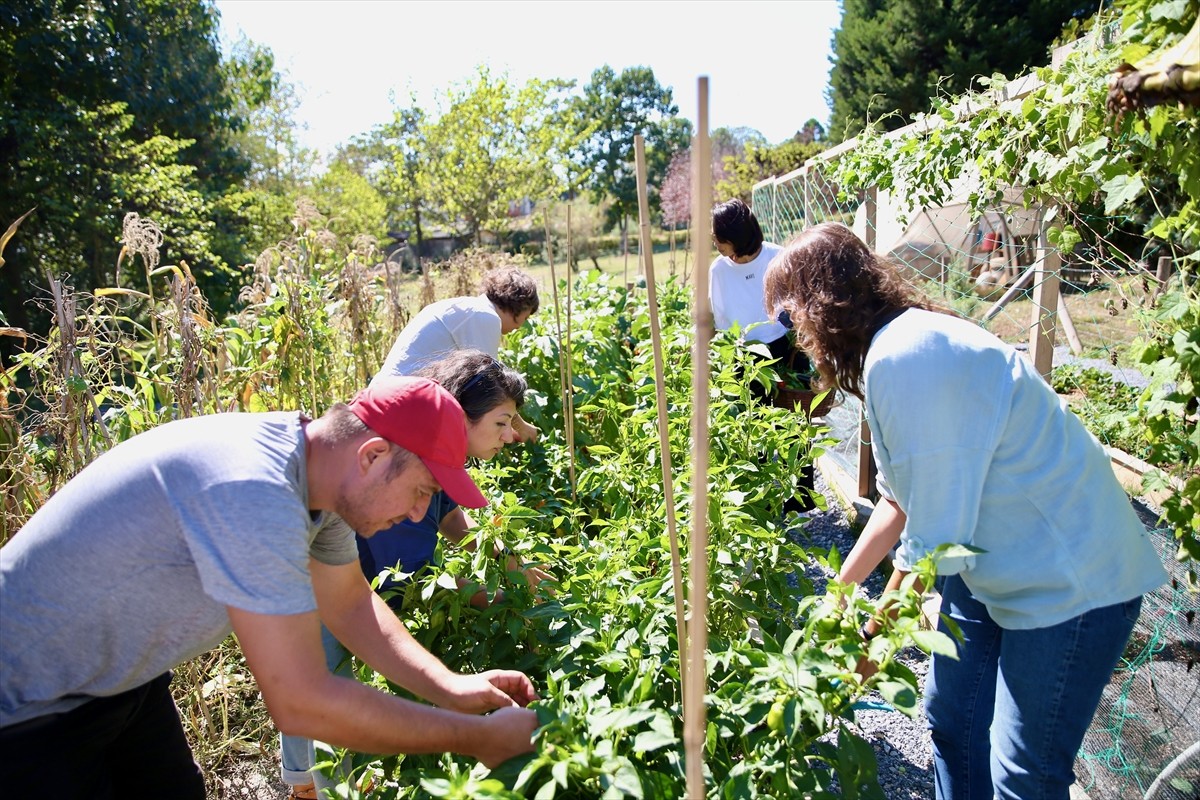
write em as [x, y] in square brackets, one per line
[479, 382]
[838, 295]
[734, 223]
[511, 289]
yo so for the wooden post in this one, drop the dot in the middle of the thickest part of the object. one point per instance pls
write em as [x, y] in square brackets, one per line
[563, 355]
[808, 221]
[866, 458]
[660, 392]
[694, 689]
[1045, 299]
[570, 409]
[1068, 326]
[1162, 275]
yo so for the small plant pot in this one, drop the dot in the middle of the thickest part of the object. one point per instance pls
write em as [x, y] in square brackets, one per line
[802, 399]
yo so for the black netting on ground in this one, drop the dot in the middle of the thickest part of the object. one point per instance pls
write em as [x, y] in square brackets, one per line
[1150, 713]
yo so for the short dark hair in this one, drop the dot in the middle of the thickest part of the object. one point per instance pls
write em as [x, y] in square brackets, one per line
[479, 382]
[511, 289]
[345, 425]
[734, 223]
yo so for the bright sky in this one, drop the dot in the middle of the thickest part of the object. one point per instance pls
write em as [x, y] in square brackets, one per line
[354, 62]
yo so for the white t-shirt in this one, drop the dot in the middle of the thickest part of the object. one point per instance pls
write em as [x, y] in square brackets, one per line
[977, 449]
[736, 293]
[440, 328]
[127, 570]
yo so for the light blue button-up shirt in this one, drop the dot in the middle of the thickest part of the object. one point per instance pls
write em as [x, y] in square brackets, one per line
[977, 449]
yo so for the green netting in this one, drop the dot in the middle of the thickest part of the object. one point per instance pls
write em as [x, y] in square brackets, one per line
[985, 265]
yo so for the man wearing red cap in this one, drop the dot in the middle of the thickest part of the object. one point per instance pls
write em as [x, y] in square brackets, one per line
[243, 522]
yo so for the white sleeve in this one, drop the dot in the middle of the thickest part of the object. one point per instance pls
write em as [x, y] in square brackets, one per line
[717, 299]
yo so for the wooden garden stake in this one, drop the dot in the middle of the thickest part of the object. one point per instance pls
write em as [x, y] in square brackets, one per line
[568, 434]
[570, 410]
[664, 438]
[693, 697]
[1068, 326]
[1045, 297]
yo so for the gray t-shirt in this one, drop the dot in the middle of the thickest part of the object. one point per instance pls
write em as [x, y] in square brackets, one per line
[126, 572]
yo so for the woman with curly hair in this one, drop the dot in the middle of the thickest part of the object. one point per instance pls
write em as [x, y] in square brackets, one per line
[975, 448]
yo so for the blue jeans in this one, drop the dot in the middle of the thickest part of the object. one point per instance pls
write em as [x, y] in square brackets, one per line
[1009, 716]
[296, 754]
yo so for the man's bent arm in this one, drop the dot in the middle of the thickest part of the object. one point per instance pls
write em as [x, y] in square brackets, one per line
[361, 621]
[305, 699]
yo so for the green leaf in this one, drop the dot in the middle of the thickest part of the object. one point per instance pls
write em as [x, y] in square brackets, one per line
[649, 741]
[935, 643]
[1120, 191]
[957, 551]
[899, 694]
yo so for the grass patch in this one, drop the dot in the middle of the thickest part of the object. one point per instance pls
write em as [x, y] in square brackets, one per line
[1105, 319]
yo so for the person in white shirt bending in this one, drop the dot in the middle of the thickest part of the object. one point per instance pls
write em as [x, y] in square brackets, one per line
[509, 297]
[735, 290]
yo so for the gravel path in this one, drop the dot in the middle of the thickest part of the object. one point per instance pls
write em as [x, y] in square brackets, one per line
[901, 744]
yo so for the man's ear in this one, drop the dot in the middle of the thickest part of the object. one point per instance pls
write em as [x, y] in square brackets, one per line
[371, 451]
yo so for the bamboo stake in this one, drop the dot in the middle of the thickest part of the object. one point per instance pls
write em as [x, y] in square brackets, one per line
[664, 438]
[1068, 326]
[693, 699]
[570, 410]
[568, 434]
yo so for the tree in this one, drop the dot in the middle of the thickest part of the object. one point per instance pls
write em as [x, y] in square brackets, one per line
[279, 167]
[492, 145]
[353, 205]
[621, 107]
[760, 161]
[675, 194]
[894, 55]
[109, 107]
[407, 149]
[813, 131]
[266, 103]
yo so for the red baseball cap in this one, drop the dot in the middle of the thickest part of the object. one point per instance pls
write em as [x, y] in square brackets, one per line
[425, 419]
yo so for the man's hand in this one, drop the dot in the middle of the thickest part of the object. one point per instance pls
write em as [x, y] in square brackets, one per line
[509, 733]
[496, 688]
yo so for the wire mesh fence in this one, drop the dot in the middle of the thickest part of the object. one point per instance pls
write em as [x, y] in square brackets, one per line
[1075, 314]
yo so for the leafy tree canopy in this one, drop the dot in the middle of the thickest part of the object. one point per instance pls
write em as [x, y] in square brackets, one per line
[894, 55]
[620, 107]
[106, 108]
[760, 161]
[493, 144]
